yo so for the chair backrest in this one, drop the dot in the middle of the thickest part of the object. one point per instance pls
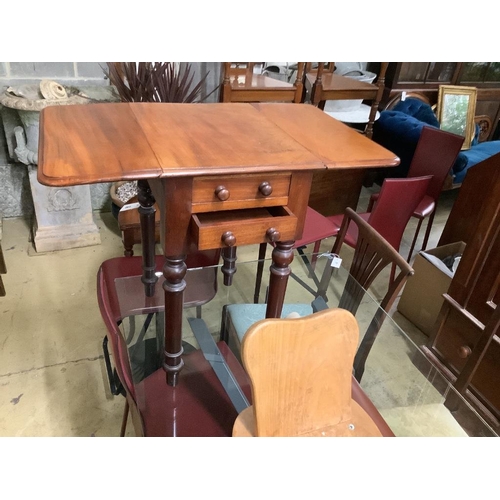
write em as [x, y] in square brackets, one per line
[301, 372]
[372, 254]
[435, 155]
[259, 88]
[395, 205]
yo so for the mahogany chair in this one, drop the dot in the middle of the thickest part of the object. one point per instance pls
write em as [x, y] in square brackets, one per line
[124, 298]
[435, 155]
[372, 254]
[324, 85]
[300, 372]
[241, 84]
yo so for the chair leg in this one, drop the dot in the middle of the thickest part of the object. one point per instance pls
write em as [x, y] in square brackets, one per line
[124, 419]
[414, 240]
[128, 242]
[428, 230]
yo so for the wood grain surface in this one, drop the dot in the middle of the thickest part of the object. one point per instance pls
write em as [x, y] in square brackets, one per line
[119, 141]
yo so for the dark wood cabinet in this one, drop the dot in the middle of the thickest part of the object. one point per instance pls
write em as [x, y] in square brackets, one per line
[471, 307]
[426, 77]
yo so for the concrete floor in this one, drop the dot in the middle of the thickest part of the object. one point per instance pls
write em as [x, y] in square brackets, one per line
[52, 373]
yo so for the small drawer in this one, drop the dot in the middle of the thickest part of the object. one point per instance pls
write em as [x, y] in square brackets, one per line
[456, 339]
[233, 192]
[247, 227]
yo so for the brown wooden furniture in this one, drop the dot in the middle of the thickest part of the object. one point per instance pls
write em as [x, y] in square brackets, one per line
[300, 373]
[466, 338]
[222, 175]
[324, 85]
[241, 84]
[130, 227]
[425, 78]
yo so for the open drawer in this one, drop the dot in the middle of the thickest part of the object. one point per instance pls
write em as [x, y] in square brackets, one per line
[242, 227]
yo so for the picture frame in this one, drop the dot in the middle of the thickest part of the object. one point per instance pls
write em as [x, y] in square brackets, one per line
[456, 108]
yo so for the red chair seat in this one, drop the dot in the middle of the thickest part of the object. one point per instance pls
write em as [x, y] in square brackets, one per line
[317, 227]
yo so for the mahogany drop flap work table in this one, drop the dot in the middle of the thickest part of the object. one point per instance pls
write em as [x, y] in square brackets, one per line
[222, 175]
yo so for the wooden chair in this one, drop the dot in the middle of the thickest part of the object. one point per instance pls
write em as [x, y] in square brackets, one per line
[300, 372]
[372, 254]
[324, 85]
[241, 84]
[435, 155]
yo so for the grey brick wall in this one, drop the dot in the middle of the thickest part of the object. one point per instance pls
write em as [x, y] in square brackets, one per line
[66, 73]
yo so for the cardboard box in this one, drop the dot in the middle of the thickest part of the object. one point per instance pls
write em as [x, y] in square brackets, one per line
[422, 296]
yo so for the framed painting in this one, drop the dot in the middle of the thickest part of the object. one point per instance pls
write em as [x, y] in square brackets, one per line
[456, 108]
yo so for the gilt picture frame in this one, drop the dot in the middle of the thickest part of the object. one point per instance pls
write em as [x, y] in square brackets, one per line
[456, 108]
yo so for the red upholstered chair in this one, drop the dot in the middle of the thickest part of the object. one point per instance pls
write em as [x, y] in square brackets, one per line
[203, 407]
[435, 155]
[397, 201]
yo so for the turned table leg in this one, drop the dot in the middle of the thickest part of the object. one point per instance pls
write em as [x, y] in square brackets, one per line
[280, 270]
[174, 271]
[147, 218]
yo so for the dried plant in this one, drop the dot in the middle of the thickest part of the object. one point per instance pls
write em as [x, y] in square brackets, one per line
[155, 82]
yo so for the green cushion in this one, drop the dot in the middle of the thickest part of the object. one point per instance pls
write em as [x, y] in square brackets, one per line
[243, 316]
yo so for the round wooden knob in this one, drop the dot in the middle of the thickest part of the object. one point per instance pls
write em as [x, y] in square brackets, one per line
[228, 238]
[273, 235]
[265, 188]
[464, 351]
[222, 193]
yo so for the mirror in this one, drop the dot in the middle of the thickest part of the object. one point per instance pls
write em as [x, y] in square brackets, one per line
[456, 109]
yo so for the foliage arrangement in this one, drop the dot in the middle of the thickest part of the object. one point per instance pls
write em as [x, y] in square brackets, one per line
[155, 82]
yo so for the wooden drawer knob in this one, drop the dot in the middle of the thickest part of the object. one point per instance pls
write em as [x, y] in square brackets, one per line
[273, 235]
[464, 351]
[228, 238]
[222, 193]
[265, 188]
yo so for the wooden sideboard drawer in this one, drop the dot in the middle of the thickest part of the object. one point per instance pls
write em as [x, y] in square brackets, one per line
[234, 192]
[454, 342]
[247, 227]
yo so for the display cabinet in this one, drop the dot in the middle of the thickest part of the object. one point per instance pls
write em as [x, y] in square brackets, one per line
[426, 77]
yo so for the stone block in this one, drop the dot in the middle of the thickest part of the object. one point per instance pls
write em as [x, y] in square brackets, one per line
[42, 69]
[3, 69]
[90, 69]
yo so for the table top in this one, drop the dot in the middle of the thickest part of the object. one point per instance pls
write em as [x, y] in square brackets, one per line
[338, 83]
[123, 141]
[404, 386]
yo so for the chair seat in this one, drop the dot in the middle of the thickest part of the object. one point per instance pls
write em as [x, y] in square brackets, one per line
[243, 316]
[259, 82]
[317, 227]
[198, 406]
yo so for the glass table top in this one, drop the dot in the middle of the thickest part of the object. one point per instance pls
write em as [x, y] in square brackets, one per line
[411, 394]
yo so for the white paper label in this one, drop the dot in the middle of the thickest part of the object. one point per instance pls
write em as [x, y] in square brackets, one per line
[130, 206]
[336, 261]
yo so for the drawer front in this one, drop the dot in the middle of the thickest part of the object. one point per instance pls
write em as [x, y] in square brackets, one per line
[216, 193]
[246, 227]
[455, 340]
